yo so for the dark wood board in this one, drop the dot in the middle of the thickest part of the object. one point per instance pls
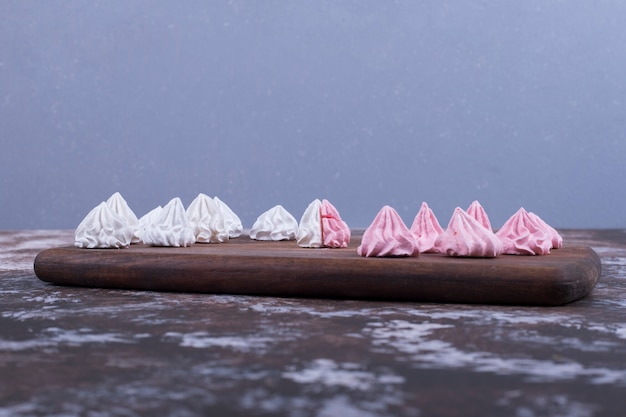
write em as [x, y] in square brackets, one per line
[245, 266]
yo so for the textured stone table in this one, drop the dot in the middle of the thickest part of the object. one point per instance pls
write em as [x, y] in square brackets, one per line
[91, 352]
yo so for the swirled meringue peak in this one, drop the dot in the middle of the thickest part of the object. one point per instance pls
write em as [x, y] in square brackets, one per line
[310, 227]
[426, 229]
[103, 228]
[477, 211]
[388, 236]
[147, 219]
[335, 232]
[555, 237]
[465, 236]
[232, 222]
[117, 203]
[171, 227]
[522, 235]
[207, 221]
[275, 224]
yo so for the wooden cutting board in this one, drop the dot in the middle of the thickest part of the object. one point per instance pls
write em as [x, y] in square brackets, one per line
[245, 266]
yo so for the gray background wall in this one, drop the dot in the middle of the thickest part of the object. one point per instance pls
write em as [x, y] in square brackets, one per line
[365, 103]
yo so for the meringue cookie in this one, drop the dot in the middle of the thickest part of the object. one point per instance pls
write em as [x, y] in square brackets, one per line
[310, 227]
[335, 232]
[147, 219]
[555, 237]
[117, 203]
[477, 211]
[275, 224]
[522, 235]
[426, 229]
[207, 221]
[171, 228]
[103, 228]
[465, 236]
[388, 236]
[233, 224]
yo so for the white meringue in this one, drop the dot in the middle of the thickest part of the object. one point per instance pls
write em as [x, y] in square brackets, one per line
[103, 228]
[233, 224]
[117, 203]
[207, 220]
[147, 219]
[310, 227]
[275, 224]
[171, 228]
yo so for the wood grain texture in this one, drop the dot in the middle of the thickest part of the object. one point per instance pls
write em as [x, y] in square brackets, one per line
[245, 266]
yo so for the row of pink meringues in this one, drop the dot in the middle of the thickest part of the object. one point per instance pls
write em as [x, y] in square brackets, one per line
[468, 234]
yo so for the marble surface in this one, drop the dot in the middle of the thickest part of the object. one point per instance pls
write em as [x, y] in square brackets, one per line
[68, 351]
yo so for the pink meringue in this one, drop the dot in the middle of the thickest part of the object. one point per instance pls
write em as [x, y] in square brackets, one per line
[465, 236]
[335, 232]
[388, 236]
[426, 229]
[521, 234]
[555, 237]
[477, 211]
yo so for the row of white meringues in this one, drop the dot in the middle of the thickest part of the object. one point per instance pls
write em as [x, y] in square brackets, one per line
[113, 224]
